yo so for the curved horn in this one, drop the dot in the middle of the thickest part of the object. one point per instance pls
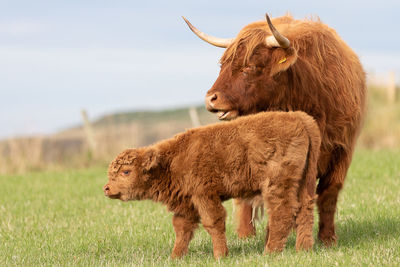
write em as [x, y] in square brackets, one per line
[278, 40]
[220, 42]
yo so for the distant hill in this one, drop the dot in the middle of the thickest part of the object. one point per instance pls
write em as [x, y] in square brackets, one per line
[73, 147]
[145, 119]
[151, 117]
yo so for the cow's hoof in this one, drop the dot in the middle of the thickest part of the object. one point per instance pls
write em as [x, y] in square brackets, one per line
[244, 235]
[246, 232]
[327, 240]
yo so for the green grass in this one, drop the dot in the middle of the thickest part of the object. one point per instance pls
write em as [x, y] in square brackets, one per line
[62, 218]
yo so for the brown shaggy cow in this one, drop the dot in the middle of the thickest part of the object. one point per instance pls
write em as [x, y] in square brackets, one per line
[303, 66]
[272, 154]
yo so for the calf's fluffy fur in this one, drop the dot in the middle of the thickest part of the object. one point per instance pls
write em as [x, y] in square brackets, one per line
[269, 154]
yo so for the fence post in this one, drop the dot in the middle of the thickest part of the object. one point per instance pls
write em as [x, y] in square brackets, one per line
[194, 117]
[89, 132]
[391, 89]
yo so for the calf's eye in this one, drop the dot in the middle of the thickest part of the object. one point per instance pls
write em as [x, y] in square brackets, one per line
[126, 172]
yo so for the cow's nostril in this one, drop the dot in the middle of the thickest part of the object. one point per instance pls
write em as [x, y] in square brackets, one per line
[107, 188]
[211, 101]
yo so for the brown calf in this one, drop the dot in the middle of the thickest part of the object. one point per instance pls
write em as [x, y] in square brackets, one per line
[272, 154]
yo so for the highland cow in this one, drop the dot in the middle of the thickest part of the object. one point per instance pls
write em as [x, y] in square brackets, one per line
[272, 154]
[287, 64]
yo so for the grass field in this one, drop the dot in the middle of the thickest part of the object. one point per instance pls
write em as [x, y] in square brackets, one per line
[62, 218]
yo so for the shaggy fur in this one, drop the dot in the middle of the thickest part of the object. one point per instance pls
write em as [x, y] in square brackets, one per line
[318, 74]
[272, 154]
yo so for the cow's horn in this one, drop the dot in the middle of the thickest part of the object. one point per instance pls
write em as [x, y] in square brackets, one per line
[278, 40]
[220, 42]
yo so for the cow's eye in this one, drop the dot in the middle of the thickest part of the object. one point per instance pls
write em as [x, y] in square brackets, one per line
[249, 69]
[126, 172]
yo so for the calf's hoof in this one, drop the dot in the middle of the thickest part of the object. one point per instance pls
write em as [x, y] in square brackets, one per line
[175, 256]
[270, 250]
[221, 253]
[178, 254]
[305, 245]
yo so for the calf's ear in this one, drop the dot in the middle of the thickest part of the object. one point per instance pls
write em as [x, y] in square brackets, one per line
[282, 59]
[151, 159]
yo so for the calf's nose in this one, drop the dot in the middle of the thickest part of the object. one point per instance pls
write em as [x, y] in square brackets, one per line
[106, 189]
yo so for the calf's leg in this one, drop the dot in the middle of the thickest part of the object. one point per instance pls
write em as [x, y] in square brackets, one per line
[281, 198]
[280, 223]
[184, 227]
[212, 215]
[305, 222]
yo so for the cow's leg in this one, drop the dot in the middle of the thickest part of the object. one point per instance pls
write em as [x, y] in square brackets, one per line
[212, 215]
[184, 227]
[243, 216]
[328, 190]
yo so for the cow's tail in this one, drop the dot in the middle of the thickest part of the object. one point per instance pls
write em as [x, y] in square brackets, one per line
[311, 168]
[307, 195]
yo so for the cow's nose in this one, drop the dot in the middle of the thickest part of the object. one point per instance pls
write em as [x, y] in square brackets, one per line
[213, 97]
[210, 100]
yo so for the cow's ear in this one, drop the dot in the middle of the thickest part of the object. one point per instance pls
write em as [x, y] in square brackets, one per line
[282, 59]
[151, 159]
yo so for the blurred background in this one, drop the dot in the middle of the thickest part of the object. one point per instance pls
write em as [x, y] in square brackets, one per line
[82, 80]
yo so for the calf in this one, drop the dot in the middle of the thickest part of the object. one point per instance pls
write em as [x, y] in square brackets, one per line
[272, 154]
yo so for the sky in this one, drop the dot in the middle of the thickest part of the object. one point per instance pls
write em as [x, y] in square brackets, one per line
[59, 57]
